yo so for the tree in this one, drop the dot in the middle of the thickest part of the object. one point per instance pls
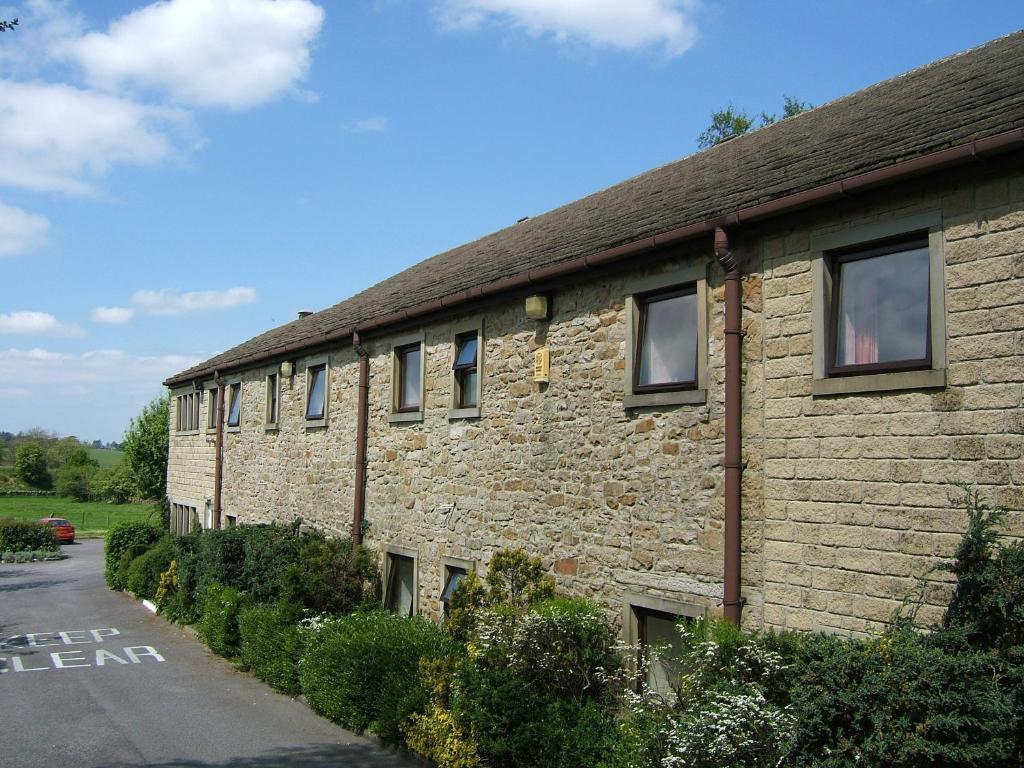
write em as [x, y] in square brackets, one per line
[75, 480]
[66, 452]
[30, 465]
[729, 123]
[115, 484]
[145, 448]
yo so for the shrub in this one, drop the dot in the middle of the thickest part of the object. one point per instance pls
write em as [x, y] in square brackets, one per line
[114, 484]
[329, 576]
[126, 537]
[362, 670]
[540, 688]
[218, 620]
[26, 536]
[897, 700]
[75, 481]
[268, 552]
[144, 571]
[272, 644]
[30, 465]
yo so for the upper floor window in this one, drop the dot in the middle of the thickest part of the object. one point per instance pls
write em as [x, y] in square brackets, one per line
[316, 392]
[235, 404]
[187, 412]
[880, 316]
[273, 396]
[877, 309]
[465, 368]
[667, 345]
[410, 362]
[212, 408]
[666, 349]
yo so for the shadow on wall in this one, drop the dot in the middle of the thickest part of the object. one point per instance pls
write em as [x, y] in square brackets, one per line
[357, 755]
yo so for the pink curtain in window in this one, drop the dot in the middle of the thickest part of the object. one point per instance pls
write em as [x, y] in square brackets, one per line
[860, 325]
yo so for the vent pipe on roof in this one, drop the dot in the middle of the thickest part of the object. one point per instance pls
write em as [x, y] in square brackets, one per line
[305, 313]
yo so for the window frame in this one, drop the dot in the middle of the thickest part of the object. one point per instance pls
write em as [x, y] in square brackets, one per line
[643, 301]
[831, 249]
[230, 401]
[212, 415]
[692, 277]
[272, 414]
[399, 415]
[393, 551]
[638, 606]
[450, 564]
[313, 364]
[457, 410]
[187, 405]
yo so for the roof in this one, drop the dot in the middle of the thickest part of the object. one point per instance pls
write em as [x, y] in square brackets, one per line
[963, 98]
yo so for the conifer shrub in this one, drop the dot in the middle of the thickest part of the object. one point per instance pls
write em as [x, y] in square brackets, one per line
[218, 618]
[125, 541]
[362, 670]
[272, 644]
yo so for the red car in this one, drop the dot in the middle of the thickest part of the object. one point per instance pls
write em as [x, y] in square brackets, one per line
[65, 531]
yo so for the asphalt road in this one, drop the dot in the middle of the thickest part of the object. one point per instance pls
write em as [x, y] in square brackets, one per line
[91, 678]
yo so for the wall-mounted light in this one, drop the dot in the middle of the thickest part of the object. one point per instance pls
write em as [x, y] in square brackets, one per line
[538, 307]
[287, 369]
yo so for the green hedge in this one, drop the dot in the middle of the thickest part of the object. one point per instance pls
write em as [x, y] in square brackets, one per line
[126, 539]
[218, 619]
[143, 572]
[26, 536]
[272, 644]
[362, 670]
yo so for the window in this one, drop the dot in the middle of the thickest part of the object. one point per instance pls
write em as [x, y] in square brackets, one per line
[212, 408]
[453, 574]
[401, 586]
[232, 520]
[187, 412]
[272, 399]
[235, 404]
[407, 379]
[660, 645]
[466, 369]
[667, 345]
[410, 361]
[184, 518]
[316, 392]
[877, 307]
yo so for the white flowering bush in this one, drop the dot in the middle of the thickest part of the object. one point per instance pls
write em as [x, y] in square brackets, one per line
[717, 715]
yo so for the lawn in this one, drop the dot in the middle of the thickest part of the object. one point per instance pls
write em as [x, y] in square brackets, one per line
[106, 457]
[89, 518]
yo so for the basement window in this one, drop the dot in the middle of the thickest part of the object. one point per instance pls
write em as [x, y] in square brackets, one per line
[660, 646]
[453, 574]
[401, 584]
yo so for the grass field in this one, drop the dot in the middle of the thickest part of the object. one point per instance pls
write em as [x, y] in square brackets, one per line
[105, 457]
[89, 518]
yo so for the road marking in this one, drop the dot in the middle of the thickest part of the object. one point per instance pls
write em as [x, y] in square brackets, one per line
[133, 654]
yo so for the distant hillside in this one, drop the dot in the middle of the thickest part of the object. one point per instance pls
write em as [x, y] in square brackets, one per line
[105, 456]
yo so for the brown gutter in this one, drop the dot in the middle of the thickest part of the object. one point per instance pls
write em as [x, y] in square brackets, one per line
[907, 169]
[359, 493]
[218, 461]
[731, 603]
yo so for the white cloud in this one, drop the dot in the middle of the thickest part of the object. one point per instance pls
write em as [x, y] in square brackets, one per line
[112, 315]
[604, 23]
[21, 231]
[38, 369]
[228, 53]
[57, 138]
[369, 125]
[174, 303]
[36, 324]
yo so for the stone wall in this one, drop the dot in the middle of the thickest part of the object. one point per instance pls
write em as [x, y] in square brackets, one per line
[190, 461]
[844, 496]
[858, 486]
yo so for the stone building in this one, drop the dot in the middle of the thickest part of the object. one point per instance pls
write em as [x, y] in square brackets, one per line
[566, 385]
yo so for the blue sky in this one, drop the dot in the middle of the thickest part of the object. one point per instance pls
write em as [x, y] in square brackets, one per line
[177, 177]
